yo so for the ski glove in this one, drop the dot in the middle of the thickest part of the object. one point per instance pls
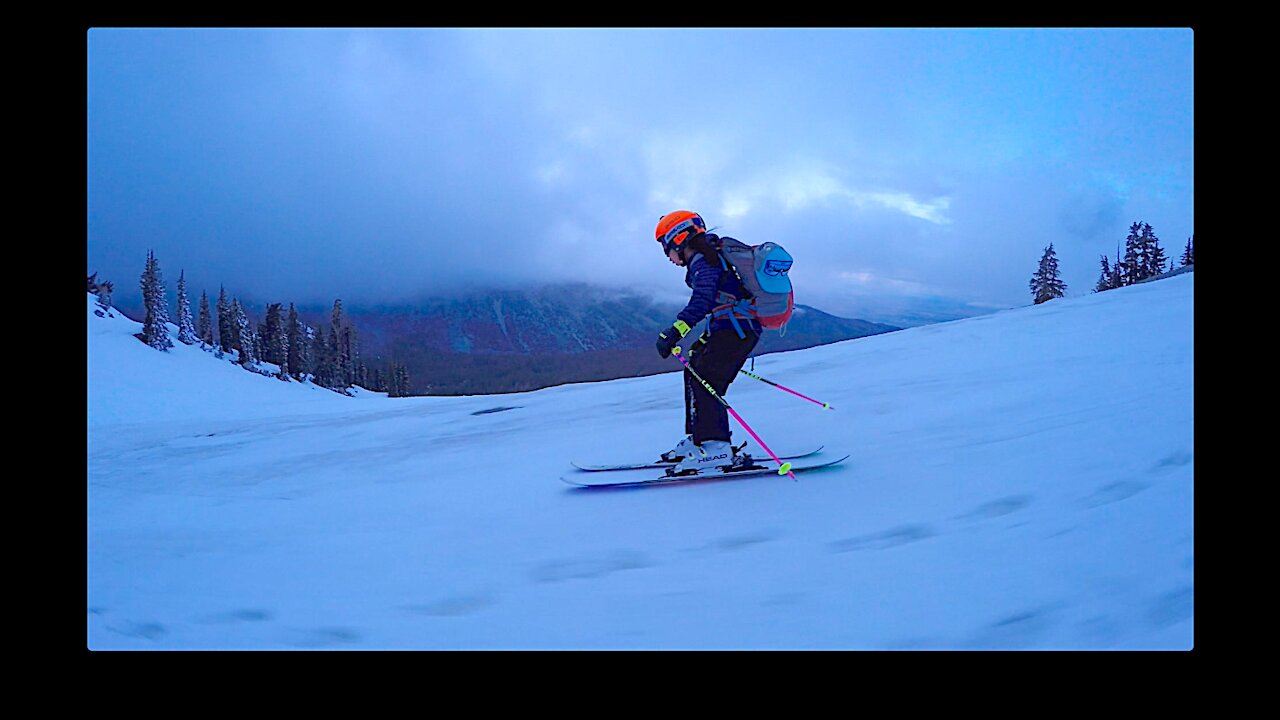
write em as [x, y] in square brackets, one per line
[669, 338]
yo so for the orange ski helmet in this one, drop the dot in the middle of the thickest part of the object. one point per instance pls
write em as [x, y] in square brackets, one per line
[675, 228]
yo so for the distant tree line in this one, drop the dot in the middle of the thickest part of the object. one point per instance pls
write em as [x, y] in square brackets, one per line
[1142, 259]
[327, 356]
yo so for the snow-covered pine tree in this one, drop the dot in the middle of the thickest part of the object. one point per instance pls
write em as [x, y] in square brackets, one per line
[1153, 255]
[246, 335]
[1188, 255]
[104, 294]
[306, 352]
[282, 340]
[155, 326]
[1131, 266]
[226, 323]
[276, 339]
[1045, 283]
[103, 291]
[204, 325]
[186, 329]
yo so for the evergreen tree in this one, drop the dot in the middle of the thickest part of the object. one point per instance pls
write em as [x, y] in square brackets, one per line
[155, 328]
[333, 358]
[362, 376]
[351, 351]
[293, 344]
[246, 335]
[1188, 257]
[104, 294]
[402, 381]
[1153, 255]
[306, 352]
[226, 323]
[260, 341]
[273, 342]
[1045, 284]
[392, 387]
[340, 342]
[1117, 269]
[205, 326]
[282, 348]
[1107, 277]
[276, 340]
[1143, 256]
[320, 358]
[103, 291]
[1131, 266]
[186, 332]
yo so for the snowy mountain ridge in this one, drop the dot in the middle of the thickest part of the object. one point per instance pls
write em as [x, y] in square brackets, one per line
[1019, 480]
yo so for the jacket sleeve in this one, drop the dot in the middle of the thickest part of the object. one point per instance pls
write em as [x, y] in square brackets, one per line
[706, 279]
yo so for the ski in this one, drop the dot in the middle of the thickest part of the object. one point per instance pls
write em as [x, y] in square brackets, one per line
[713, 475]
[653, 465]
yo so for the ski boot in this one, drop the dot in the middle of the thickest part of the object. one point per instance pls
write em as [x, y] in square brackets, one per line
[682, 450]
[711, 455]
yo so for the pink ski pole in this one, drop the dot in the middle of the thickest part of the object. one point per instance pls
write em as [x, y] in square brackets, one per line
[784, 468]
[787, 389]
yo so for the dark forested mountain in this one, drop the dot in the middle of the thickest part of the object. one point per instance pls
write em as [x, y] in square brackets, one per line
[515, 340]
[554, 319]
[507, 341]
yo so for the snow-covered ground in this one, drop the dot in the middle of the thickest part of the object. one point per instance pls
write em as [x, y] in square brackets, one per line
[1017, 480]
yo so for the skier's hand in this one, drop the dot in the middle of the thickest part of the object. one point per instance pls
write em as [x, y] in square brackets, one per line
[669, 338]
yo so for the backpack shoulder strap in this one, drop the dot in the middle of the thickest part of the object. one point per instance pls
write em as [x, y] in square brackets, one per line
[733, 269]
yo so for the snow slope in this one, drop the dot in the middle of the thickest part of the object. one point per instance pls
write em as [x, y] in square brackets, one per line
[1017, 480]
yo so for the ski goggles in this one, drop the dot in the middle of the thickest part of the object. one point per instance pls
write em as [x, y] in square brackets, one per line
[676, 236]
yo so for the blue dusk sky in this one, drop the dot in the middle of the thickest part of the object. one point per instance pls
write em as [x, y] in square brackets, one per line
[377, 166]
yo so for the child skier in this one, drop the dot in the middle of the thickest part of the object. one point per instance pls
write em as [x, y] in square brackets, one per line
[720, 352]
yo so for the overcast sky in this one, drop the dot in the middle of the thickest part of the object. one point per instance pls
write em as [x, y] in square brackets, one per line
[380, 165]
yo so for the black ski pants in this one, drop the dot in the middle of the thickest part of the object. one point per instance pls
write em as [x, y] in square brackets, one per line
[717, 358]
